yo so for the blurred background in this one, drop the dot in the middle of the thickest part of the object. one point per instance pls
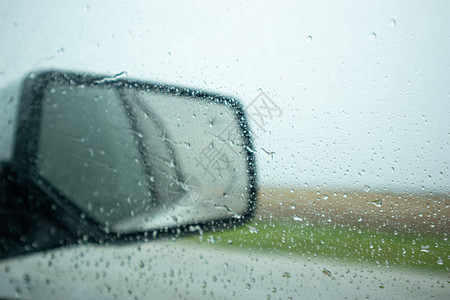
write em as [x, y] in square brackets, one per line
[361, 135]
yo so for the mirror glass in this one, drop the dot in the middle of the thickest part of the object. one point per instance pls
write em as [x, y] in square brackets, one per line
[135, 160]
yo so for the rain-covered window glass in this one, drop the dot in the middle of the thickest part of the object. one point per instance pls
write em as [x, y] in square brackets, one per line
[349, 108]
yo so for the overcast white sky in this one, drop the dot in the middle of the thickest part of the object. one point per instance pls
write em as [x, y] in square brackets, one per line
[363, 86]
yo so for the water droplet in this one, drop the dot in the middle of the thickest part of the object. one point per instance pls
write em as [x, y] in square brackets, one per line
[252, 229]
[377, 202]
[297, 218]
[440, 261]
[325, 197]
[425, 248]
[309, 38]
[366, 188]
[373, 35]
[326, 272]
[393, 23]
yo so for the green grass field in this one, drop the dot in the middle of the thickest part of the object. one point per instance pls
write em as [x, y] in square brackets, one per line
[333, 242]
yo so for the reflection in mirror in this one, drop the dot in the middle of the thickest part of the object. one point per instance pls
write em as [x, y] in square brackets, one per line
[135, 160]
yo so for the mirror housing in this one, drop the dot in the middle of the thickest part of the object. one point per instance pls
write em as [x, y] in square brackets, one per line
[115, 160]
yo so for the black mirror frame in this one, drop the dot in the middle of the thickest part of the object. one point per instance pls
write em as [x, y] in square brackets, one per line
[26, 146]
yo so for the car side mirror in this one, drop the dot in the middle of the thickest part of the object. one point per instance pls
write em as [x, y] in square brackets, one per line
[118, 159]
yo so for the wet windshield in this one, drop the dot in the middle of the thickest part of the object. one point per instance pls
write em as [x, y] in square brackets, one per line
[349, 108]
